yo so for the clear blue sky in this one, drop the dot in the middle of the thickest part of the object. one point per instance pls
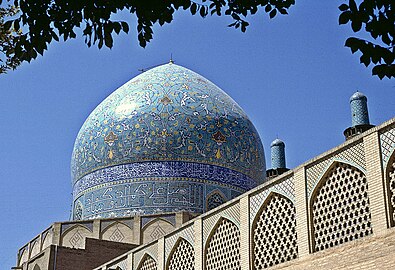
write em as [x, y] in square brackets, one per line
[292, 76]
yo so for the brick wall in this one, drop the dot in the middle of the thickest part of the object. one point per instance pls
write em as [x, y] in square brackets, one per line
[372, 252]
[96, 252]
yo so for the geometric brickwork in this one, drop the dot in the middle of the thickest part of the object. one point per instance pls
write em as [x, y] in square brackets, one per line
[387, 144]
[214, 200]
[187, 234]
[274, 233]
[183, 257]
[285, 187]
[147, 264]
[223, 248]
[232, 213]
[340, 207]
[353, 155]
[391, 187]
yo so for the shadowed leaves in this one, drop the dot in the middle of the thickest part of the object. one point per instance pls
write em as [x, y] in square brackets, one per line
[376, 18]
[45, 21]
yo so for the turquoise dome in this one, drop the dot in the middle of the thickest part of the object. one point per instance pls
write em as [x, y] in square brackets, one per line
[160, 141]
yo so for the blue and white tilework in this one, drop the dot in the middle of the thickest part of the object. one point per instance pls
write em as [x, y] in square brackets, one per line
[161, 140]
[359, 109]
[277, 154]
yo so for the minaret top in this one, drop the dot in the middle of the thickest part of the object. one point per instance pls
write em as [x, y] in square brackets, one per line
[359, 115]
[358, 96]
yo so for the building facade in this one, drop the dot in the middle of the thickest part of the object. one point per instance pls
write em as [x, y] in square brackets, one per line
[335, 211]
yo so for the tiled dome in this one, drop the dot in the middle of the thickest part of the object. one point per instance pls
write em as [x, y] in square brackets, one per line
[163, 139]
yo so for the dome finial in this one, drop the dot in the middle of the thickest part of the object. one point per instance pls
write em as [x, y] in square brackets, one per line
[171, 59]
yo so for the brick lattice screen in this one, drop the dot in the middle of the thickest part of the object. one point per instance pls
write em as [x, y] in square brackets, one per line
[183, 257]
[148, 264]
[340, 207]
[274, 233]
[223, 249]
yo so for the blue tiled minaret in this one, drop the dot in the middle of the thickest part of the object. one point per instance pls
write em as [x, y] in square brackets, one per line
[278, 159]
[359, 109]
[359, 115]
[278, 154]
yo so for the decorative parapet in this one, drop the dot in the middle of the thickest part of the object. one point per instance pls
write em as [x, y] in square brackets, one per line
[283, 188]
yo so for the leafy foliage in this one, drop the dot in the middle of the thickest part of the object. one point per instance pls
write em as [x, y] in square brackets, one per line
[44, 21]
[8, 37]
[377, 18]
[39, 22]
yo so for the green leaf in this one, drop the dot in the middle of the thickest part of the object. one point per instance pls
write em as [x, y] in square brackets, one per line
[272, 13]
[203, 11]
[16, 25]
[283, 11]
[343, 7]
[356, 24]
[108, 40]
[193, 8]
[7, 25]
[344, 17]
[125, 27]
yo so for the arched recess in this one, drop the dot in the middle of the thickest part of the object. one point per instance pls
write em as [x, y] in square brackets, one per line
[390, 181]
[147, 263]
[222, 250]
[155, 229]
[47, 239]
[274, 239]
[118, 232]
[182, 256]
[34, 248]
[215, 199]
[36, 267]
[24, 257]
[75, 236]
[339, 207]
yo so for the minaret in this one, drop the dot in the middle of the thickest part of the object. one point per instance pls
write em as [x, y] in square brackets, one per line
[277, 148]
[359, 115]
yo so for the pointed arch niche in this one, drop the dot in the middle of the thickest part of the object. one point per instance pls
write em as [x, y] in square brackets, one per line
[155, 229]
[339, 207]
[222, 250]
[147, 263]
[182, 256]
[118, 232]
[274, 232]
[390, 179]
[215, 199]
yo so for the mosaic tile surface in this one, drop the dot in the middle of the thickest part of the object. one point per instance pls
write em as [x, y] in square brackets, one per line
[359, 109]
[168, 113]
[159, 143]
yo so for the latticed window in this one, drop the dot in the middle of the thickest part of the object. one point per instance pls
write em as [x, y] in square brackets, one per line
[223, 248]
[214, 200]
[183, 257]
[340, 207]
[147, 264]
[274, 233]
[391, 187]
